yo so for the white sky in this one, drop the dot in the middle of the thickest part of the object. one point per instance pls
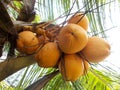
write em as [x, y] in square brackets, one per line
[114, 40]
[114, 35]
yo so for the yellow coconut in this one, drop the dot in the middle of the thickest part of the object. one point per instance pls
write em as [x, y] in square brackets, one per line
[72, 38]
[96, 50]
[80, 19]
[27, 42]
[48, 55]
[71, 67]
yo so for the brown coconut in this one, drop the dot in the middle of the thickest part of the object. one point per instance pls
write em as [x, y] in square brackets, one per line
[48, 55]
[71, 67]
[80, 19]
[27, 42]
[96, 50]
[72, 38]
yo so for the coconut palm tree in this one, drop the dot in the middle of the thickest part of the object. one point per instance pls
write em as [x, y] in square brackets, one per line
[21, 71]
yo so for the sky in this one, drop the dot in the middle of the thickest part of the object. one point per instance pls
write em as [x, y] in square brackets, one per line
[114, 35]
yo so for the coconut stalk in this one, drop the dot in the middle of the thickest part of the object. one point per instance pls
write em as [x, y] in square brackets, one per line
[39, 84]
[12, 65]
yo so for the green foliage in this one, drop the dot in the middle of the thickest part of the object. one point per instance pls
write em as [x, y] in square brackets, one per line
[31, 74]
[14, 9]
[5, 86]
[18, 4]
[66, 4]
[94, 80]
[37, 19]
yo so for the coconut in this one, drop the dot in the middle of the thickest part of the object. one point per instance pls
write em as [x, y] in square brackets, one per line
[96, 50]
[48, 55]
[72, 38]
[80, 19]
[27, 42]
[71, 67]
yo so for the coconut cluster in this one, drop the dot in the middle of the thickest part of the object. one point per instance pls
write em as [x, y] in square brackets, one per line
[69, 48]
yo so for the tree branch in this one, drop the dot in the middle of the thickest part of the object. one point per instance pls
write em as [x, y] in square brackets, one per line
[12, 65]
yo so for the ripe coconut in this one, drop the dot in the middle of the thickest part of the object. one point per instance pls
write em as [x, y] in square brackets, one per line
[96, 50]
[71, 67]
[80, 19]
[27, 42]
[48, 55]
[72, 38]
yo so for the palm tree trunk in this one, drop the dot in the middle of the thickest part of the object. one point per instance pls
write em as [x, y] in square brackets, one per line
[12, 65]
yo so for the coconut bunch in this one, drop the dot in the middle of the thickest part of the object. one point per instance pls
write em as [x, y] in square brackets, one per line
[41, 42]
[68, 48]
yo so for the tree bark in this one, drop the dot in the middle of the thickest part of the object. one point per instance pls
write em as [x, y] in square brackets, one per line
[13, 65]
